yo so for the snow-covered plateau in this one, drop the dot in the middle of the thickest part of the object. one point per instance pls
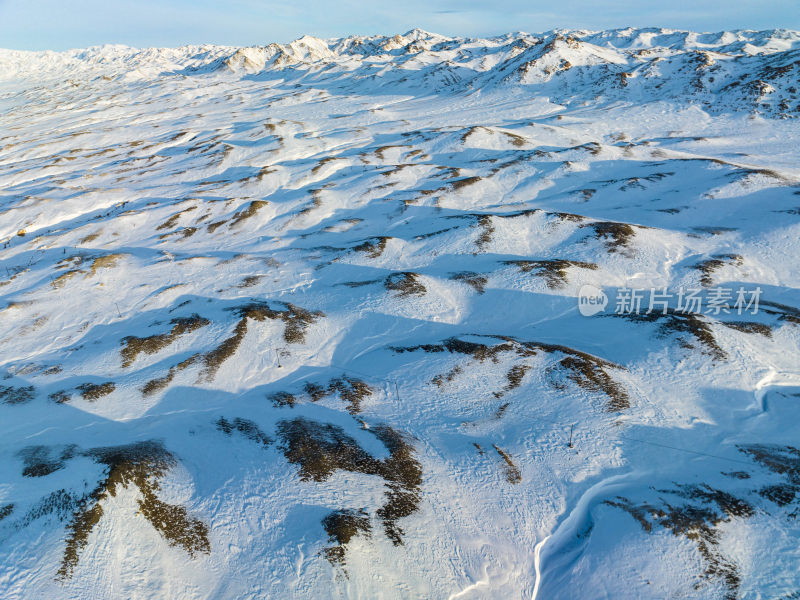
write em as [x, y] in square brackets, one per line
[302, 320]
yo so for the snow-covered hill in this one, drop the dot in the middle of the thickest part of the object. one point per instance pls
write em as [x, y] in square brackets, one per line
[303, 320]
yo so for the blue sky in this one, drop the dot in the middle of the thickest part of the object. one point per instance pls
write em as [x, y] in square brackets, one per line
[59, 25]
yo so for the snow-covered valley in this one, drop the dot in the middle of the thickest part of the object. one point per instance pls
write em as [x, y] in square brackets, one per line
[303, 320]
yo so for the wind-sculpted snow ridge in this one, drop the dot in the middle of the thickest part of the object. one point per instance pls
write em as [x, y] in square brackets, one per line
[303, 320]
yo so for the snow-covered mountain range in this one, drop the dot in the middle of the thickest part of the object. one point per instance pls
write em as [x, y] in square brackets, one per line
[303, 320]
[742, 70]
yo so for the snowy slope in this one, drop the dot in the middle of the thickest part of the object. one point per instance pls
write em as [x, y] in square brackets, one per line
[302, 320]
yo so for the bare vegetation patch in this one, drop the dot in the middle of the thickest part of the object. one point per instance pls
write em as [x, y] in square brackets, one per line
[593, 148]
[591, 375]
[351, 390]
[341, 527]
[749, 327]
[358, 284]
[440, 380]
[711, 230]
[60, 502]
[472, 130]
[782, 311]
[320, 449]
[133, 346]
[708, 266]
[617, 236]
[143, 465]
[681, 323]
[698, 521]
[89, 238]
[159, 383]
[245, 428]
[705, 508]
[62, 279]
[184, 233]
[586, 370]
[568, 217]
[780, 494]
[60, 397]
[476, 280]
[431, 234]
[516, 140]
[478, 351]
[484, 222]
[296, 322]
[109, 261]
[213, 359]
[316, 202]
[314, 390]
[403, 474]
[250, 281]
[324, 161]
[380, 152]
[295, 319]
[513, 474]
[396, 169]
[405, 284]
[465, 182]
[95, 391]
[781, 460]
[373, 247]
[40, 461]
[554, 271]
[282, 399]
[16, 395]
[248, 212]
[14, 304]
[515, 375]
[173, 220]
[212, 227]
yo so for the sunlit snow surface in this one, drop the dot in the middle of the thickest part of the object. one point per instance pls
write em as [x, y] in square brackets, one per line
[369, 213]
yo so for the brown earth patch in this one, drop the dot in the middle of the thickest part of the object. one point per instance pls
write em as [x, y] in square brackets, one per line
[554, 271]
[133, 346]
